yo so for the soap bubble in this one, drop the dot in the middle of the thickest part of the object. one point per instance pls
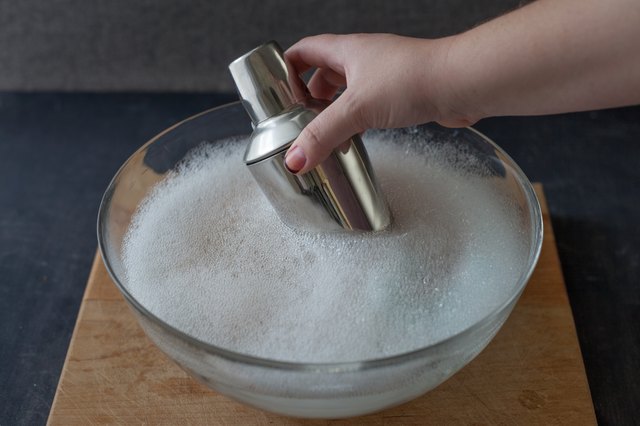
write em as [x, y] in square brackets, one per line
[207, 254]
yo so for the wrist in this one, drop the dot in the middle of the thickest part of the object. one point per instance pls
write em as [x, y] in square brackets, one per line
[457, 102]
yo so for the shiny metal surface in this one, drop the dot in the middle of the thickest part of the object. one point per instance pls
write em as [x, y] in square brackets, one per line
[338, 194]
[341, 193]
[266, 84]
[275, 134]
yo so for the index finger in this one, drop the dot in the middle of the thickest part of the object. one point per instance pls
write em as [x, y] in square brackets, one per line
[321, 51]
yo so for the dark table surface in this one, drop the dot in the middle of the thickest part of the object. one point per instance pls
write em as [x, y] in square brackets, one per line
[59, 151]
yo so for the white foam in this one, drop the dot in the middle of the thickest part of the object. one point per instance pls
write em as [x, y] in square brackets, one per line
[207, 254]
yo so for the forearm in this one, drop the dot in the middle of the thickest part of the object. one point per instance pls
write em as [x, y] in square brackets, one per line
[548, 57]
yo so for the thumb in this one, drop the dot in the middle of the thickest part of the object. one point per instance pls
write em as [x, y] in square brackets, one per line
[337, 123]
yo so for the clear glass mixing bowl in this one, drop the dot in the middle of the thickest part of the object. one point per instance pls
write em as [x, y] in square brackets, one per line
[328, 390]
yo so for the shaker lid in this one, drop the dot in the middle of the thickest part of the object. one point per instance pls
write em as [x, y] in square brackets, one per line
[266, 83]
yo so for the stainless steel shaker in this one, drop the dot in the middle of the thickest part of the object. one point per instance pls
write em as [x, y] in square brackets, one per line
[339, 194]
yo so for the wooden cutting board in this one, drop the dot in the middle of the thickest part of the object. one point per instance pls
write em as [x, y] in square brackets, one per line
[531, 373]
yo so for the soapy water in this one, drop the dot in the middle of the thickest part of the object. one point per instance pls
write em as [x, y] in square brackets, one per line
[207, 254]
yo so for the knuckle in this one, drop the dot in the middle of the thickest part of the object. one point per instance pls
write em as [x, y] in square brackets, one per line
[355, 112]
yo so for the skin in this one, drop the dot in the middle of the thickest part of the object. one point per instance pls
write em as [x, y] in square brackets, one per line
[549, 57]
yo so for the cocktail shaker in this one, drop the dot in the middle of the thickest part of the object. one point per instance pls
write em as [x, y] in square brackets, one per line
[339, 194]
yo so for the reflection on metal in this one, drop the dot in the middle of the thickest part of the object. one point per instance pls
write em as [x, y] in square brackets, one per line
[339, 194]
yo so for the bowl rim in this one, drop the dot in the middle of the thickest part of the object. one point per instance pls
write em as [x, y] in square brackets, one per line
[338, 366]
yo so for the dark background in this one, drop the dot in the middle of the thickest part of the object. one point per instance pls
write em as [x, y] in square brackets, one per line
[185, 45]
[64, 133]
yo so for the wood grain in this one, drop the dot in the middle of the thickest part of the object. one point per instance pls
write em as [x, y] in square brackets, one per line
[531, 373]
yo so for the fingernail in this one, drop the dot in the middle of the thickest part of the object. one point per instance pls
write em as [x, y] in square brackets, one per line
[295, 159]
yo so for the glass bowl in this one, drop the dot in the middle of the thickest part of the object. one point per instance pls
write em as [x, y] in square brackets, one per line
[325, 390]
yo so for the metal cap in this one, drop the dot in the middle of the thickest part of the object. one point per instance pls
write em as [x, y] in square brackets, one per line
[266, 83]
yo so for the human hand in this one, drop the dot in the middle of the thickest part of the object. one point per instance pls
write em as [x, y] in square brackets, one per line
[390, 81]
[541, 59]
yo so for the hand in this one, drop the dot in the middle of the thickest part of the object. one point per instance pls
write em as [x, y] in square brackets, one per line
[547, 57]
[390, 81]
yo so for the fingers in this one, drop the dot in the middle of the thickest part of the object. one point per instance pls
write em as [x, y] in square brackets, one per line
[325, 83]
[323, 51]
[329, 129]
[339, 121]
